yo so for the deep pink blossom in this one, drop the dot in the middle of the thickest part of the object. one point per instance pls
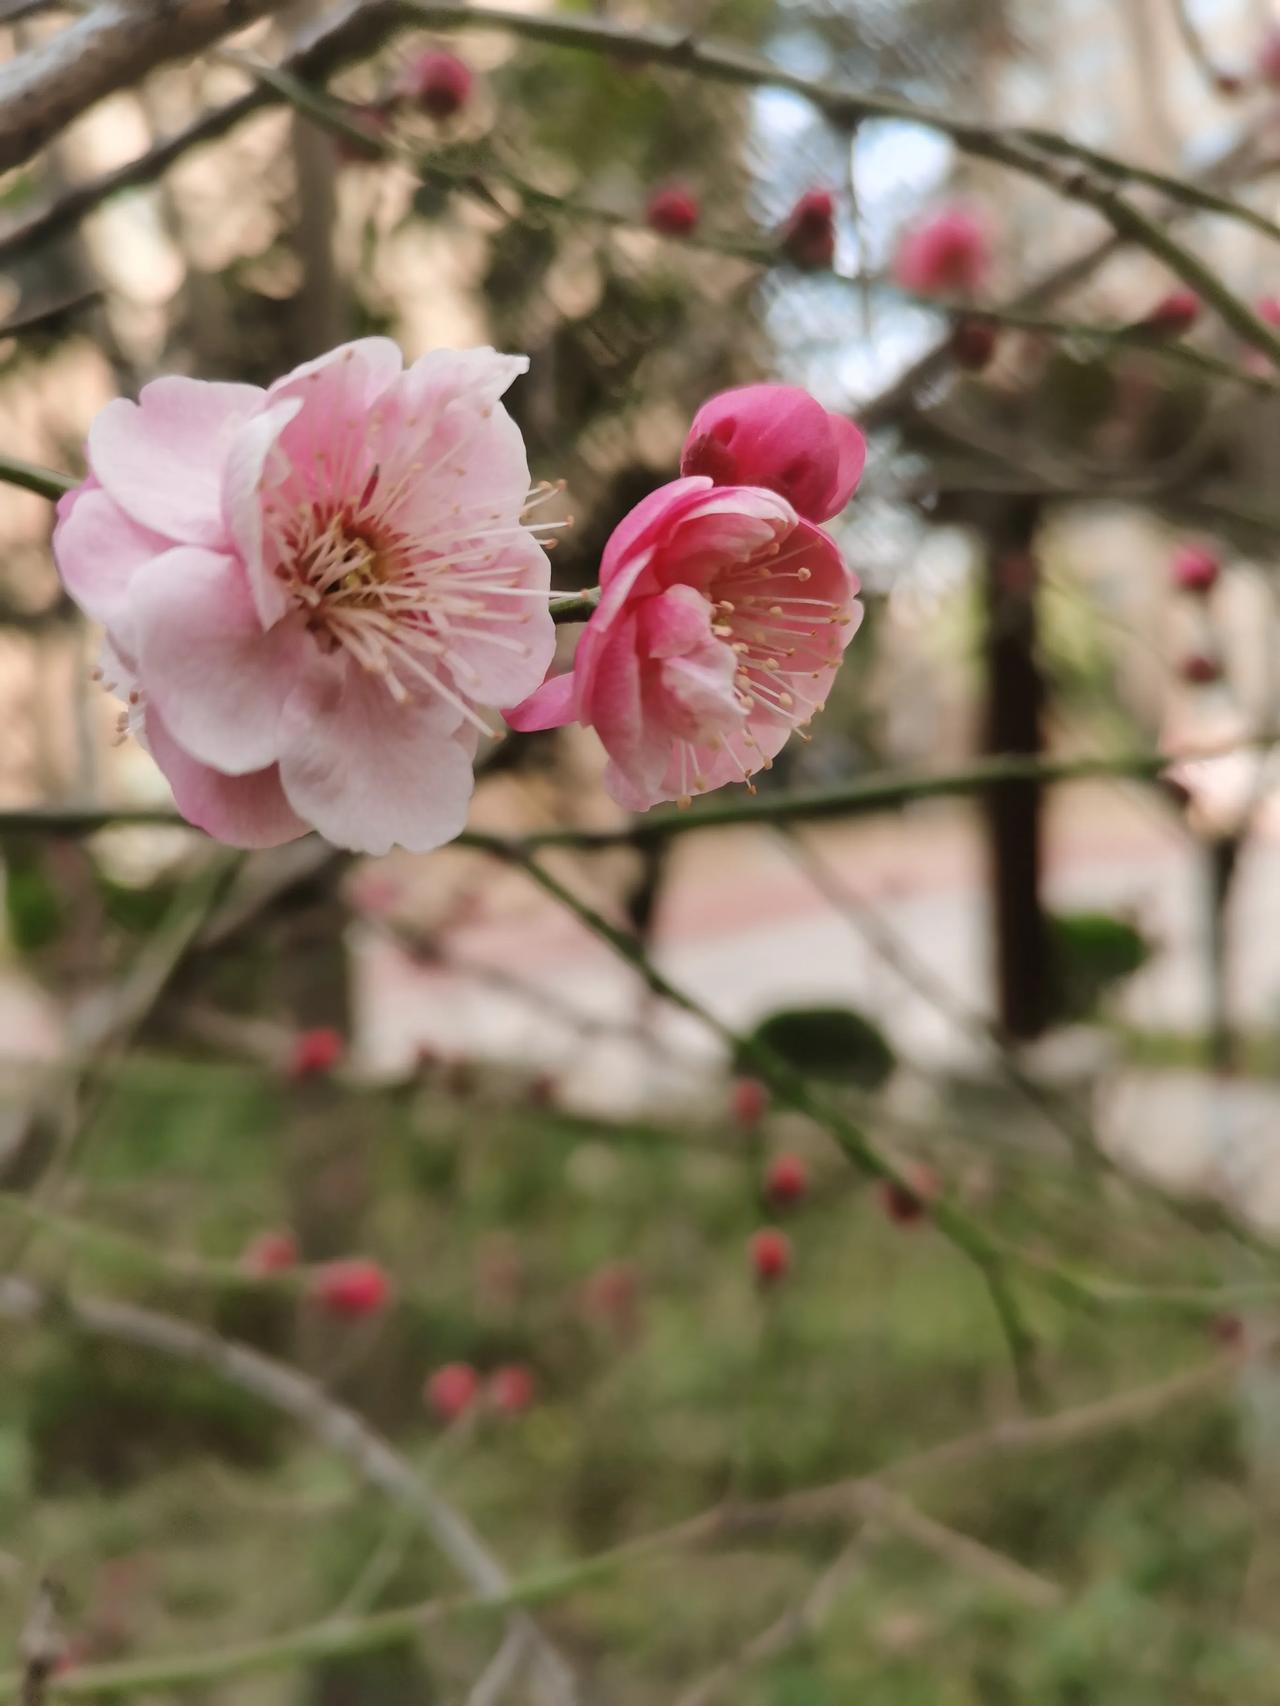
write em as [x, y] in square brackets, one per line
[780, 437]
[948, 254]
[1269, 57]
[311, 592]
[720, 627]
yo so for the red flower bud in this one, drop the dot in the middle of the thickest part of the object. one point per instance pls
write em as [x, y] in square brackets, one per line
[316, 1052]
[770, 1252]
[748, 1102]
[1200, 669]
[451, 1390]
[673, 210]
[270, 1253]
[973, 344]
[351, 1289]
[906, 1200]
[780, 437]
[786, 1180]
[1174, 314]
[511, 1388]
[439, 82]
[946, 254]
[1195, 569]
[809, 232]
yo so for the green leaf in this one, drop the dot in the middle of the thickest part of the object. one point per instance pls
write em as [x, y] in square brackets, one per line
[835, 1043]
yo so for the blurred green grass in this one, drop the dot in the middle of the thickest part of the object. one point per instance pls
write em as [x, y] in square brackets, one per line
[491, 1213]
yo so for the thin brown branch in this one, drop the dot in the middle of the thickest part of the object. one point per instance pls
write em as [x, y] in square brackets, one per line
[797, 1623]
[336, 1427]
[863, 1499]
[109, 48]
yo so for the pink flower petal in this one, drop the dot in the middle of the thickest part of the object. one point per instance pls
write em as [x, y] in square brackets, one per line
[242, 502]
[98, 552]
[220, 681]
[483, 660]
[242, 811]
[550, 707]
[642, 524]
[161, 458]
[851, 450]
[372, 774]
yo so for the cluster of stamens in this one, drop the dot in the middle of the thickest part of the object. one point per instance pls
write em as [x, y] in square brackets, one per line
[397, 604]
[775, 634]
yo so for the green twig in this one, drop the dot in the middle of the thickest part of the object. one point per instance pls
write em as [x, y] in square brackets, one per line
[791, 1088]
[45, 482]
[875, 793]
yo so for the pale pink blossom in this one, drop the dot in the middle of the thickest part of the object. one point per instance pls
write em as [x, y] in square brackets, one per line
[780, 437]
[947, 254]
[312, 593]
[722, 619]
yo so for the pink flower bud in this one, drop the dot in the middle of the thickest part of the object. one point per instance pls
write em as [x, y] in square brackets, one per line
[1195, 569]
[779, 437]
[948, 254]
[451, 1390]
[511, 1389]
[809, 232]
[1199, 669]
[770, 1252]
[351, 1289]
[316, 1052]
[786, 1181]
[439, 82]
[673, 210]
[1174, 314]
[270, 1253]
[748, 1102]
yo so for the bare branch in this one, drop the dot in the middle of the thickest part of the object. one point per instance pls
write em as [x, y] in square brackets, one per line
[110, 48]
[341, 1430]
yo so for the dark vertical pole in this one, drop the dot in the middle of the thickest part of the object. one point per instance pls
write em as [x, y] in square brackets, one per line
[1015, 702]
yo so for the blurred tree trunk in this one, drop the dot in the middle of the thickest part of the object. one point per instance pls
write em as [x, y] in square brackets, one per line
[1015, 699]
[323, 317]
